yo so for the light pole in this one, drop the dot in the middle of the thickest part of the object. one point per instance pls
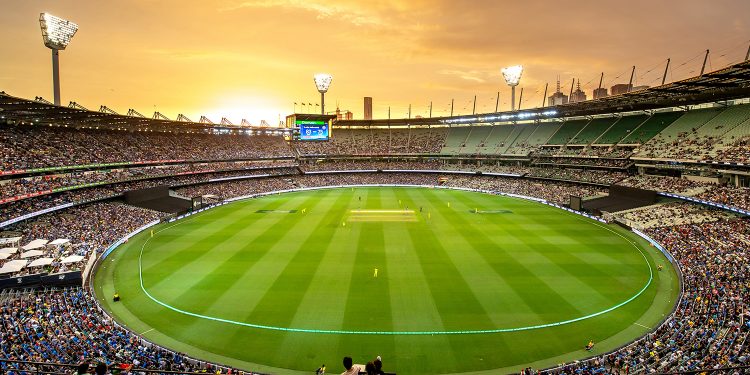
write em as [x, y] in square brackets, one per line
[512, 75]
[57, 34]
[322, 82]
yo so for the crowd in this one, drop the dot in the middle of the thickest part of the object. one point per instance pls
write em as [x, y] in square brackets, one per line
[342, 165]
[34, 204]
[575, 174]
[394, 164]
[557, 192]
[579, 161]
[737, 151]
[668, 214]
[708, 329]
[67, 326]
[619, 152]
[90, 229]
[676, 185]
[25, 147]
[552, 191]
[377, 142]
[735, 197]
[685, 146]
[13, 188]
[711, 324]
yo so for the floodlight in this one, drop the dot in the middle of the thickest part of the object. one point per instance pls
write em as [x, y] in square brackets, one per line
[322, 82]
[57, 34]
[56, 31]
[512, 75]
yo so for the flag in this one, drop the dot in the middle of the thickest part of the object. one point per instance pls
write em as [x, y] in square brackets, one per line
[309, 103]
[295, 103]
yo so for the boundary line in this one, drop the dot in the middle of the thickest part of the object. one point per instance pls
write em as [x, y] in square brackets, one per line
[353, 332]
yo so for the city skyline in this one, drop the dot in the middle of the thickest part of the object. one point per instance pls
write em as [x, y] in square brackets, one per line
[255, 59]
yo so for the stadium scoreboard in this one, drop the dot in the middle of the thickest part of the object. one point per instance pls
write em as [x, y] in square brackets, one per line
[313, 130]
[311, 127]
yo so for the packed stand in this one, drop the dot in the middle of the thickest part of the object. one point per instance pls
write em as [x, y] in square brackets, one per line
[13, 189]
[25, 147]
[600, 152]
[668, 214]
[376, 142]
[675, 185]
[584, 162]
[711, 324]
[573, 174]
[67, 326]
[552, 191]
[735, 197]
[354, 165]
[18, 208]
[90, 229]
[557, 192]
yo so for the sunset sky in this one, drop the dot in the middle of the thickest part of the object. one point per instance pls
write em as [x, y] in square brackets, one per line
[253, 59]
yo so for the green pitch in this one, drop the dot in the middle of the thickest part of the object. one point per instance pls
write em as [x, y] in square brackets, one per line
[466, 282]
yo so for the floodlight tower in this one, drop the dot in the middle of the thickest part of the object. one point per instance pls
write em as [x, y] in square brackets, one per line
[512, 75]
[322, 82]
[57, 34]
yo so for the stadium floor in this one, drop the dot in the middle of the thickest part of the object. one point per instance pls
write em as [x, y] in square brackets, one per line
[284, 283]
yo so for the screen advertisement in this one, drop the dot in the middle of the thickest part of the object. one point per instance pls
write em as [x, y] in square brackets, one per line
[313, 130]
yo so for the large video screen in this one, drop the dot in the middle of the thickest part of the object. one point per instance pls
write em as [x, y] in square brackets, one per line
[313, 130]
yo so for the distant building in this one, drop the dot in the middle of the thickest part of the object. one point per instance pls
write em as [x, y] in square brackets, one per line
[558, 97]
[368, 108]
[621, 88]
[344, 115]
[578, 95]
[600, 93]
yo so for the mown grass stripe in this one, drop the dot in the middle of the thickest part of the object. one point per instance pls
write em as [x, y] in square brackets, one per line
[166, 262]
[587, 283]
[300, 262]
[536, 292]
[487, 283]
[208, 293]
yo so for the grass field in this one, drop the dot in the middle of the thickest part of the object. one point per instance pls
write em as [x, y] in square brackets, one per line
[301, 266]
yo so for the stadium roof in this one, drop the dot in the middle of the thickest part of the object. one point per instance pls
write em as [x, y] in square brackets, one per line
[732, 82]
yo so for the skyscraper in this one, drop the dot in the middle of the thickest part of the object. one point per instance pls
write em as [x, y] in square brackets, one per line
[578, 95]
[368, 108]
[558, 97]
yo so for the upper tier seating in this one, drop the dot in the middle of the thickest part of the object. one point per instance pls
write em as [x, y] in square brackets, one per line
[28, 147]
[620, 129]
[377, 142]
[651, 127]
[567, 132]
[593, 130]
